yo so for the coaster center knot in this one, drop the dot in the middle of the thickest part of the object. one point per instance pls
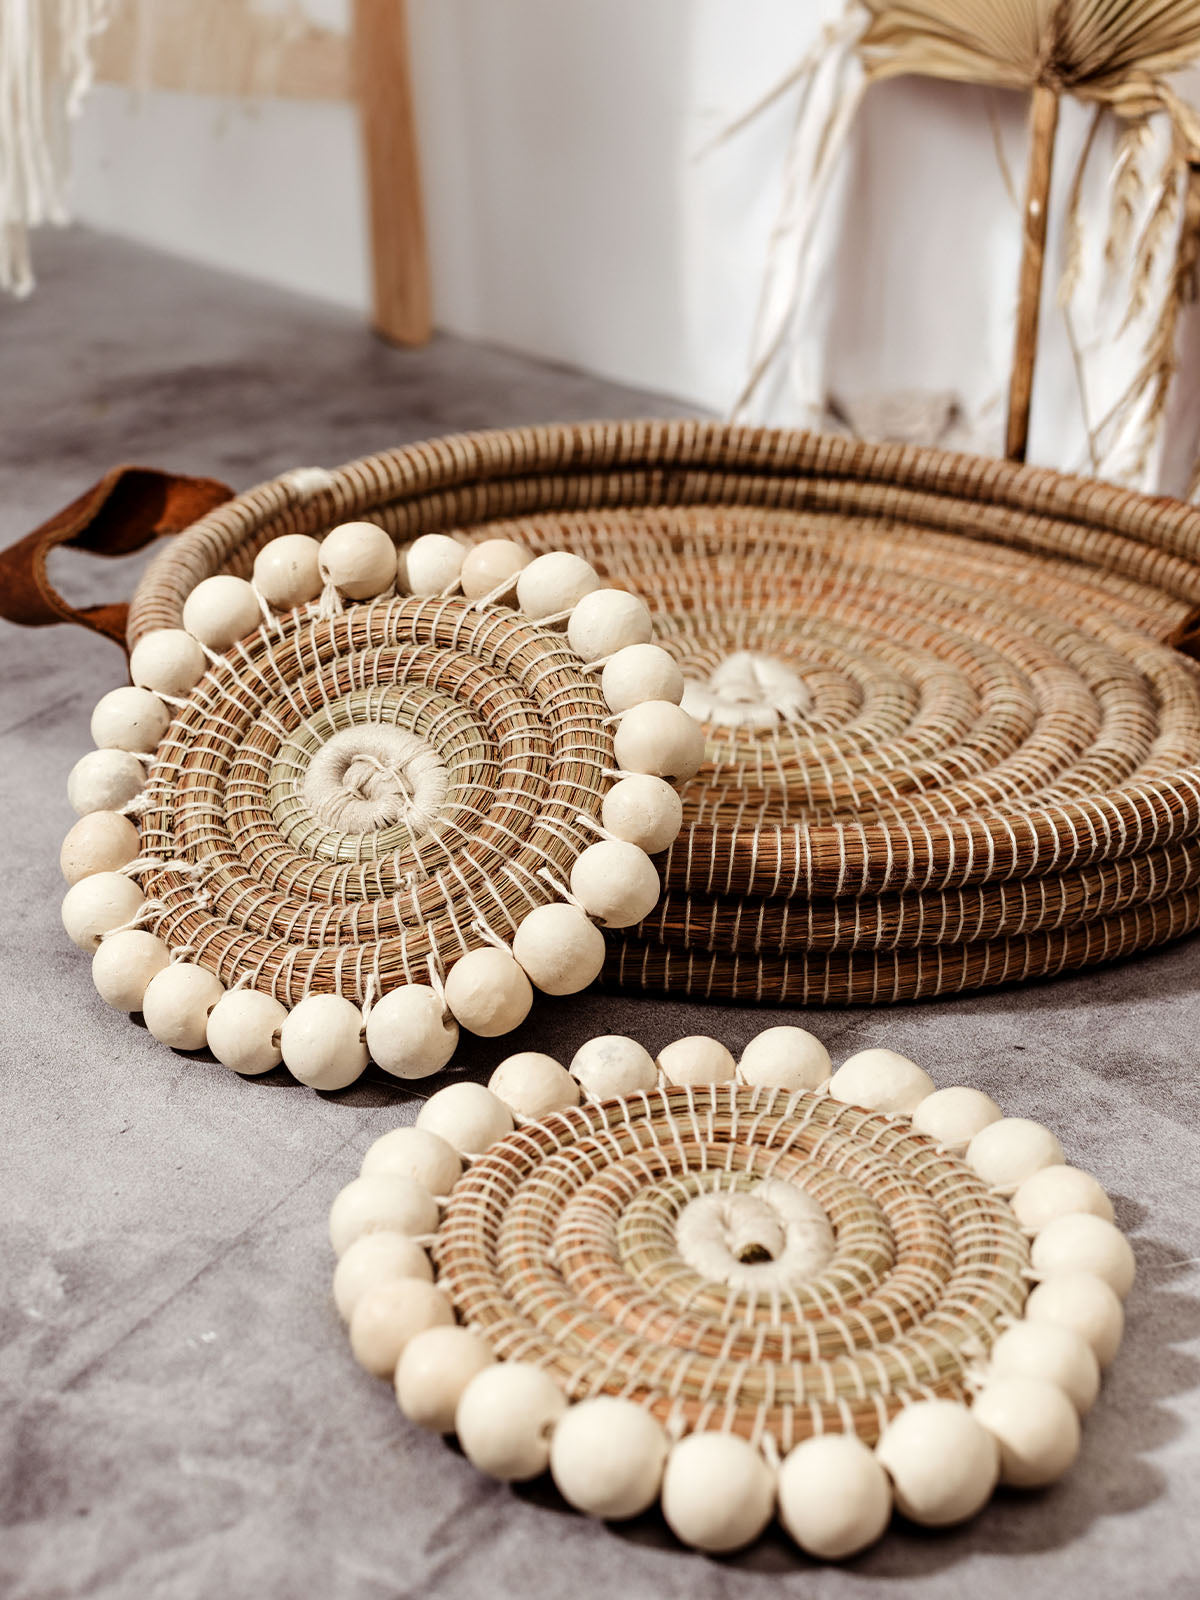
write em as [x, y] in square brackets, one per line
[748, 689]
[372, 776]
[768, 1236]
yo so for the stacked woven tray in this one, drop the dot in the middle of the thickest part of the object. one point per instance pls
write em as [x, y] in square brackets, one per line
[950, 745]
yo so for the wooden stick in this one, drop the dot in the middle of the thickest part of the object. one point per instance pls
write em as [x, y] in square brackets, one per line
[1043, 126]
[399, 263]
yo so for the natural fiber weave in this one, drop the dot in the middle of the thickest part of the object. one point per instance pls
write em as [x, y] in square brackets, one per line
[559, 1246]
[949, 745]
[501, 749]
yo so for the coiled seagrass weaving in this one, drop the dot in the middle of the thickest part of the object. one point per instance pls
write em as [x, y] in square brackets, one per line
[740, 1286]
[950, 741]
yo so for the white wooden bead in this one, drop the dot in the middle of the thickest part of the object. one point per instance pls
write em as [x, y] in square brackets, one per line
[785, 1058]
[505, 1420]
[491, 563]
[942, 1461]
[321, 1041]
[560, 949]
[554, 583]
[881, 1080]
[467, 1116]
[643, 810]
[613, 1065]
[177, 1002]
[244, 1028]
[129, 719]
[431, 564]
[376, 1258]
[696, 1060]
[287, 571]
[167, 660]
[1056, 1191]
[488, 992]
[415, 1153]
[533, 1085]
[659, 738]
[607, 1457]
[358, 559]
[1035, 1426]
[834, 1497]
[221, 610]
[384, 1202]
[616, 883]
[1080, 1242]
[124, 964]
[640, 672]
[1007, 1152]
[101, 841]
[104, 780]
[608, 620]
[409, 1033]
[1054, 1353]
[1085, 1303]
[388, 1315]
[433, 1372]
[97, 904]
[718, 1493]
[954, 1116]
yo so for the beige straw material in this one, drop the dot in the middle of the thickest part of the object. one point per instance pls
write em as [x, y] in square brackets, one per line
[511, 727]
[948, 743]
[560, 1245]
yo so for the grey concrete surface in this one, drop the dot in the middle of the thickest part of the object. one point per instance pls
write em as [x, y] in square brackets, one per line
[181, 1417]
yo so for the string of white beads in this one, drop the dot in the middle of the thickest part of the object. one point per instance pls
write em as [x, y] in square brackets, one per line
[431, 564]
[560, 949]
[129, 719]
[104, 780]
[533, 1086]
[101, 841]
[220, 611]
[124, 964]
[409, 1034]
[244, 1029]
[492, 564]
[554, 583]
[287, 571]
[168, 660]
[358, 559]
[616, 883]
[177, 1003]
[785, 1058]
[321, 1042]
[661, 739]
[607, 620]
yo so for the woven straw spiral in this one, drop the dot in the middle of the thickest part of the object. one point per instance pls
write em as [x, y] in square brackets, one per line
[560, 1246]
[950, 743]
[745, 1286]
[514, 744]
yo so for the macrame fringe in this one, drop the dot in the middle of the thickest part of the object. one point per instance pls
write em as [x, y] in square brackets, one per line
[45, 72]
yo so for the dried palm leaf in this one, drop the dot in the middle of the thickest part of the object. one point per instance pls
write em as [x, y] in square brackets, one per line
[1115, 54]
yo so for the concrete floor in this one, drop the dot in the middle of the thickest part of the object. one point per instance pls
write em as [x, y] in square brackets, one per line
[182, 1416]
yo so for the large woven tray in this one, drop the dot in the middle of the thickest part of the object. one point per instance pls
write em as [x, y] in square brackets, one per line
[950, 743]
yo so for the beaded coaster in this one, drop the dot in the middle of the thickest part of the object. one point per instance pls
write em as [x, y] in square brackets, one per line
[740, 1288]
[329, 818]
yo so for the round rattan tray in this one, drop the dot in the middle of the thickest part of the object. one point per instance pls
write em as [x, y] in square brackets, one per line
[950, 745]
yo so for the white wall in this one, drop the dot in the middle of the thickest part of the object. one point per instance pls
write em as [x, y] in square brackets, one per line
[579, 209]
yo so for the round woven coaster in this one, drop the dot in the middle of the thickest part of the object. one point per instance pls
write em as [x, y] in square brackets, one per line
[767, 1259]
[331, 819]
[949, 743]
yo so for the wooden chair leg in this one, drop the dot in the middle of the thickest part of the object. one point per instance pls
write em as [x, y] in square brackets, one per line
[399, 261]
